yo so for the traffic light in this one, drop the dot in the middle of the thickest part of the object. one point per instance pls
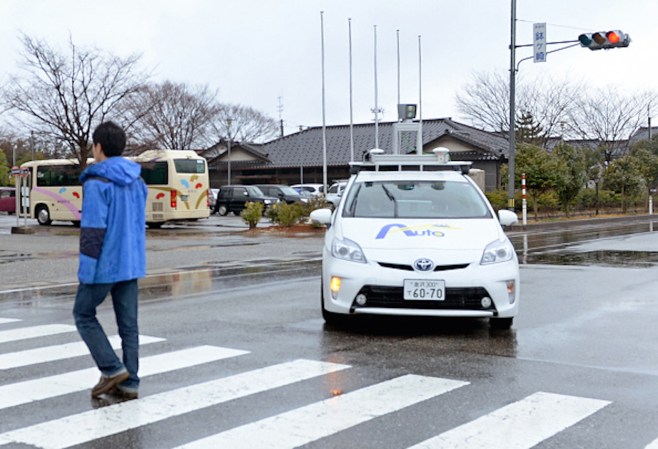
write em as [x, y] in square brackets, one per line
[604, 39]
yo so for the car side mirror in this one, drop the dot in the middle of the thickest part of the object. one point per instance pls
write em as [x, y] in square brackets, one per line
[507, 217]
[322, 216]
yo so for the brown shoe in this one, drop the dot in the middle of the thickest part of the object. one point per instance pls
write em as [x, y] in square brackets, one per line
[124, 394]
[105, 384]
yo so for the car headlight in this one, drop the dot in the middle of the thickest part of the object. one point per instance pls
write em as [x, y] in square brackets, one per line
[347, 250]
[497, 251]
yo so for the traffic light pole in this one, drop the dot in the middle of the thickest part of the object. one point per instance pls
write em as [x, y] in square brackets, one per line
[512, 111]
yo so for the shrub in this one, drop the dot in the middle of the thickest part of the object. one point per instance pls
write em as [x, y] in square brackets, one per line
[284, 214]
[252, 213]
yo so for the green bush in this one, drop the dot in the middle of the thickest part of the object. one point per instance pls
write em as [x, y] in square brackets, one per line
[283, 214]
[497, 198]
[252, 213]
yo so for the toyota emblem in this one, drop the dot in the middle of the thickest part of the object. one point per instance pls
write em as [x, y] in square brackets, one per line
[423, 265]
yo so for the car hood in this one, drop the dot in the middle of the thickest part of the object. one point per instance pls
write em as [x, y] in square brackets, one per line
[380, 234]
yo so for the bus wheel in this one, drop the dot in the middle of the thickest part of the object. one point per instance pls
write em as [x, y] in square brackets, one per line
[43, 215]
[155, 225]
[223, 211]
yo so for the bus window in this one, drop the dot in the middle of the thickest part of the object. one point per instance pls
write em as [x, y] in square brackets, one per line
[58, 175]
[189, 166]
[155, 173]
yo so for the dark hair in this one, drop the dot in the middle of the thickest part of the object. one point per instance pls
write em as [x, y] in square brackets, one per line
[111, 137]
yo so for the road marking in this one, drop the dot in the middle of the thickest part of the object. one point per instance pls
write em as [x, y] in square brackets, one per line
[48, 387]
[59, 352]
[25, 333]
[312, 422]
[8, 320]
[520, 425]
[110, 420]
[652, 445]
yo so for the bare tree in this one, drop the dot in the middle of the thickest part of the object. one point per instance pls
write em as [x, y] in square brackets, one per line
[609, 117]
[485, 102]
[177, 116]
[246, 124]
[65, 96]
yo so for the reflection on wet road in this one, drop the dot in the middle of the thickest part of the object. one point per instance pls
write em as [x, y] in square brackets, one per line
[575, 245]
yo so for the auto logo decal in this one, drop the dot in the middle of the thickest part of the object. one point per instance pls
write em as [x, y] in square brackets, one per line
[424, 230]
[423, 265]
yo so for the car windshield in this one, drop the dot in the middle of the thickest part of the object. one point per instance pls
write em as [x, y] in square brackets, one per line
[289, 191]
[415, 199]
[254, 191]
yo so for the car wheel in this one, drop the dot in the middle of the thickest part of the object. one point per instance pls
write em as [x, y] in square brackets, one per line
[155, 224]
[330, 318]
[43, 215]
[223, 211]
[501, 323]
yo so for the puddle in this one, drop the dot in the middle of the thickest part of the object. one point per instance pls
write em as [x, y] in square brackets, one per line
[630, 259]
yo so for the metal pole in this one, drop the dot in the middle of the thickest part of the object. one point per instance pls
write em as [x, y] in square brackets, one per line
[398, 45]
[324, 123]
[32, 143]
[512, 110]
[351, 98]
[376, 93]
[419, 142]
[229, 122]
[524, 204]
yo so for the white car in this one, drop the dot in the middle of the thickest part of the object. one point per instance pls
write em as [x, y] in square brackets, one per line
[313, 189]
[335, 192]
[418, 243]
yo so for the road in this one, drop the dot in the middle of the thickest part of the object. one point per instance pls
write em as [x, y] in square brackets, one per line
[249, 363]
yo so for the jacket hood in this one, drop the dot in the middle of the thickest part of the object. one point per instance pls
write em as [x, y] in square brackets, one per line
[117, 169]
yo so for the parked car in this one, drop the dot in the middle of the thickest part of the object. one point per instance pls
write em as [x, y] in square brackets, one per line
[8, 199]
[335, 191]
[313, 189]
[417, 243]
[212, 197]
[282, 192]
[233, 198]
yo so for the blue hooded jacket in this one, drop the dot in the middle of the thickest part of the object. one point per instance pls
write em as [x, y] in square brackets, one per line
[113, 226]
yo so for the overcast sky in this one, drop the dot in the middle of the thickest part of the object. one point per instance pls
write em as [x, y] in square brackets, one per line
[262, 53]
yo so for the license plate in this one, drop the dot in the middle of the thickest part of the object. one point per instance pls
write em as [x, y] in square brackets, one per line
[421, 289]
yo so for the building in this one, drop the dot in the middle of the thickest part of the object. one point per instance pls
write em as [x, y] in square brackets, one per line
[298, 157]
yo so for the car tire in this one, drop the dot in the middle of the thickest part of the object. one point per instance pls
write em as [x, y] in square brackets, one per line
[155, 224]
[43, 215]
[222, 210]
[501, 323]
[331, 318]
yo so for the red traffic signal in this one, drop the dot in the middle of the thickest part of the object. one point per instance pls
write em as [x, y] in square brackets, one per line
[604, 40]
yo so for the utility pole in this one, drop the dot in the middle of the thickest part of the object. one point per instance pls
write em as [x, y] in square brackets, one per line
[512, 111]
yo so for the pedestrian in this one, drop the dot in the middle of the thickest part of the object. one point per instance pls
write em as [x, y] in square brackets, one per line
[112, 257]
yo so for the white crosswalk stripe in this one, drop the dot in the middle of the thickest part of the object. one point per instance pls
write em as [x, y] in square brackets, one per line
[25, 333]
[315, 421]
[48, 387]
[59, 352]
[94, 424]
[520, 425]
[8, 320]
[652, 445]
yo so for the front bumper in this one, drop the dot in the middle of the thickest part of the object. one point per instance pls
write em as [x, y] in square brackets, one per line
[466, 285]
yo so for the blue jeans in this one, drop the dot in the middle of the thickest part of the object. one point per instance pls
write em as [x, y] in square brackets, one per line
[124, 299]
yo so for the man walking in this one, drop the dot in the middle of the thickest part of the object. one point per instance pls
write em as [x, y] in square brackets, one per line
[112, 258]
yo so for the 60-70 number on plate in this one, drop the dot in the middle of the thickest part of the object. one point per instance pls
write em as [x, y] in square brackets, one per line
[422, 289]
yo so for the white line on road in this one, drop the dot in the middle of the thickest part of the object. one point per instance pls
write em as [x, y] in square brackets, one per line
[25, 333]
[8, 320]
[312, 422]
[99, 423]
[48, 387]
[59, 352]
[520, 425]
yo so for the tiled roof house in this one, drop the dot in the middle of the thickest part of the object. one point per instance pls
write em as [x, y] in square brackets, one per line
[298, 157]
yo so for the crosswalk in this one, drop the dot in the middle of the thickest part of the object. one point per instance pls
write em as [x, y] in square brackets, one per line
[519, 424]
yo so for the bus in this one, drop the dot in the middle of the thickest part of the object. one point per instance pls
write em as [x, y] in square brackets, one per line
[177, 182]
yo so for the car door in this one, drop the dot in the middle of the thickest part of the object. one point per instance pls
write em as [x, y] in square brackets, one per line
[239, 199]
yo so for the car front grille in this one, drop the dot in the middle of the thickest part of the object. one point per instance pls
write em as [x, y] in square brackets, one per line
[397, 266]
[468, 298]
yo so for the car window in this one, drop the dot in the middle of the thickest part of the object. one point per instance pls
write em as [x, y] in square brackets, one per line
[415, 199]
[239, 192]
[289, 191]
[333, 189]
[254, 191]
